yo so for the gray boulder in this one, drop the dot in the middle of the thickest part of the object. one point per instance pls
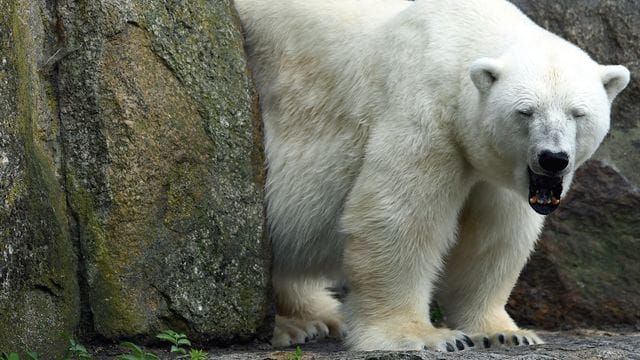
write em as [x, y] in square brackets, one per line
[131, 174]
[586, 271]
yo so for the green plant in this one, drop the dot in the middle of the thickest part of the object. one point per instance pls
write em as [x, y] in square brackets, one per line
[76, 351]
[10, 356]
[297, 355]
[177, 340]
[32, 355]
[136, 353]
[197, 355]
[437, 314]
[179, 343]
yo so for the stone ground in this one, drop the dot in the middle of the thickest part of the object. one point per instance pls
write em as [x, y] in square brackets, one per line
[581, 344]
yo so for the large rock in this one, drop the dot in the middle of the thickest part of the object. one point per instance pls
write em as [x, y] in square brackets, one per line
[163, 168]
[131, 174]
[39, 297]
[586, 271]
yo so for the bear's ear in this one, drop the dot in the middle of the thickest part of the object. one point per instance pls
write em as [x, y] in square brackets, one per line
[484, 72]
[614, 78]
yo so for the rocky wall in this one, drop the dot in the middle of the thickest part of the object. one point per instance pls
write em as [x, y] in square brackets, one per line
[131, 174]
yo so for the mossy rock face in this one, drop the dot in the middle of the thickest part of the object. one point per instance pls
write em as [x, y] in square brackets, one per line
[164, 168]
[39, 298]
[131, 175]
[586, 270]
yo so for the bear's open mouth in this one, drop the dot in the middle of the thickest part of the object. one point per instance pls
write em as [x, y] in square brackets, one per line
[544, 192]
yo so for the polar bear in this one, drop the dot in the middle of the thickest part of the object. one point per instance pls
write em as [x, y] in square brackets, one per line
[413, 149]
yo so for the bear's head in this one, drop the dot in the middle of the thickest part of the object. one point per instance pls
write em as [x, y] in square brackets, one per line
[544, 110]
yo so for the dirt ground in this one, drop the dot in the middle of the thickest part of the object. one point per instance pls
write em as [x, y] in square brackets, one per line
[578, 344]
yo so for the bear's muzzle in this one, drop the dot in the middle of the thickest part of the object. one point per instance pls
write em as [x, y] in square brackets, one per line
[544, 192]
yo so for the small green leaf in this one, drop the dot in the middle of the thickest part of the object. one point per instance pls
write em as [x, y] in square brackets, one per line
[79, 348]
[168, 338]
[134, 348]
[10, 356]
[127, 357]
[184, 341]
[33, 355]
[170, 333]
[177, 349]
[297, 355]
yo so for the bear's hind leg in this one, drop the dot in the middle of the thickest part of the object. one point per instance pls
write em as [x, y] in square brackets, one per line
[498, 231]
[306, 310]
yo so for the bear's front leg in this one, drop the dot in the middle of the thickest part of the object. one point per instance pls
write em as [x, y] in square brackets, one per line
[400, 219]
[498, 230]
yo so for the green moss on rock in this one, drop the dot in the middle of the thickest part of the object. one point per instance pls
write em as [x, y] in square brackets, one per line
[130, 154]
[164, 147]
[39, 297]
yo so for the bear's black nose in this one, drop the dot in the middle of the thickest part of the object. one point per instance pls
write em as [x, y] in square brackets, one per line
[553, 161]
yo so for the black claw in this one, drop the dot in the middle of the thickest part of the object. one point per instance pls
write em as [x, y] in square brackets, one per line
[459, 345]
[486, 342]
[525, 341]
[469, 341]
[515, 340]
[450, 348]
[501, 339]
[424, 347]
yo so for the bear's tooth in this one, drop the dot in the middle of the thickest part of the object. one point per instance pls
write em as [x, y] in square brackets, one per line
[555, 201]
[533, 200]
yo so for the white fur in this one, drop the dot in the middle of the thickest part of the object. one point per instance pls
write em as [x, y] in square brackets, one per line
[397, 157]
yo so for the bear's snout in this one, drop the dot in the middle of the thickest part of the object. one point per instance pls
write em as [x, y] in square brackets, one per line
[553, 162]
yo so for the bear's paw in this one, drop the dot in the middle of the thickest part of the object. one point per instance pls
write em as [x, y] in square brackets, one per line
[507, 338]
[445, 340]
[410, 336]
[290, 331]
